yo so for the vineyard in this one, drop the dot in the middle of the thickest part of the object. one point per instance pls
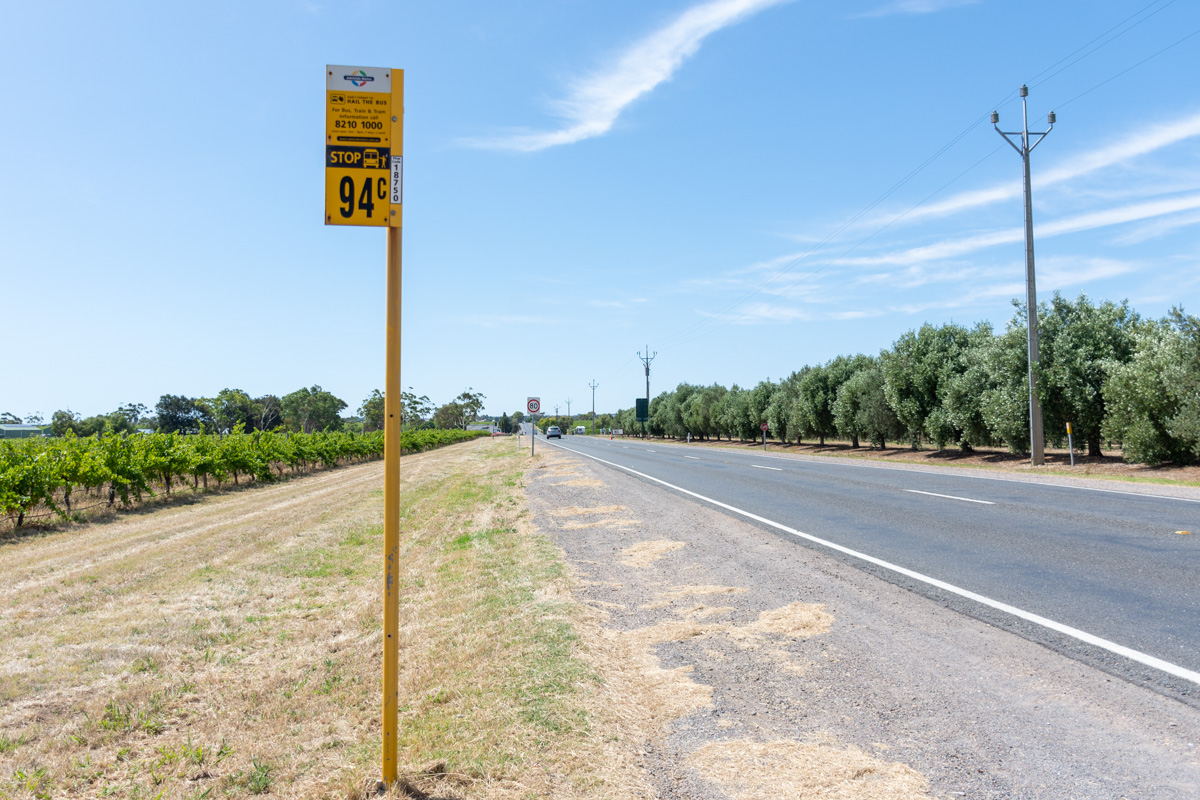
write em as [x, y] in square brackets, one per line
[60, 477]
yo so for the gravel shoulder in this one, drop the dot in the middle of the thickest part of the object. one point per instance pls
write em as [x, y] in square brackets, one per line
[828, 681]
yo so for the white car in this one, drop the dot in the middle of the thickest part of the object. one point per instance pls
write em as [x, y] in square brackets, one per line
[553, 432]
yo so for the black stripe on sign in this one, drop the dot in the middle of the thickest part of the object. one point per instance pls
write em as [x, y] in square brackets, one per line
[340, 155]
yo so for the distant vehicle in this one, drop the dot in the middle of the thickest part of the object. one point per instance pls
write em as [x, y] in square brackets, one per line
[581, 429]
[553, 432]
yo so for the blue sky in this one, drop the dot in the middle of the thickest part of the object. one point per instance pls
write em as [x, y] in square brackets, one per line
[745, 186]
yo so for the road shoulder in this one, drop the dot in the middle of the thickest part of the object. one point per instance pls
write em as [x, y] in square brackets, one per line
[811, 661]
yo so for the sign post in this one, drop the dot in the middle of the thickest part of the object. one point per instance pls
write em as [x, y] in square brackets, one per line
[533, 405]
[764, 430]
[1070, 444]
[364, 150]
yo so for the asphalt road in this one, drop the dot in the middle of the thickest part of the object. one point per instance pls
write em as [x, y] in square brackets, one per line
[1055, 563]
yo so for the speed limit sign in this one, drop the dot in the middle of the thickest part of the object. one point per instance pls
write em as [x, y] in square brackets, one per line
[533, 405]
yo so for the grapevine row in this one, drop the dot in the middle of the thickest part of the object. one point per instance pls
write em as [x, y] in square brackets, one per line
[52, 473]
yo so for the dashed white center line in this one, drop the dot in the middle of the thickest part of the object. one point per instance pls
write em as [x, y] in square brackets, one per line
[952, 497]
[760, 466]
[693, 458]
[648, 450]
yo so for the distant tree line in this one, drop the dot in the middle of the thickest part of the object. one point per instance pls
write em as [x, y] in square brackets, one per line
[306, 410]
[417, 413]
[1118, 378]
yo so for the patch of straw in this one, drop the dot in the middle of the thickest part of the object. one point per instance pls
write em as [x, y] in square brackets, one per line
[613, 524]
[643, 554]
[576, 511]
[750, 770]
[680, 592]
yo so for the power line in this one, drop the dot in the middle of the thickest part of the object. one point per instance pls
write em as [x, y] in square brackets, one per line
[833, 261]
[684, 335]
[1034, 79]
[1153, 55]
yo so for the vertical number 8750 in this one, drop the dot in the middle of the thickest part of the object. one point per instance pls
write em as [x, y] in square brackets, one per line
[366, 198]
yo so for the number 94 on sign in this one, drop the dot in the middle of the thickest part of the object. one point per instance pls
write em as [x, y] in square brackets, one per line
[357, 196]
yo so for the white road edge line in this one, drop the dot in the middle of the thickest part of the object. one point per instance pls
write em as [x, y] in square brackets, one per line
[951, 497]
[760, 466]
[1067, 630]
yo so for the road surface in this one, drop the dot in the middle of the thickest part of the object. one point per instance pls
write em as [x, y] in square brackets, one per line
[1099, 574]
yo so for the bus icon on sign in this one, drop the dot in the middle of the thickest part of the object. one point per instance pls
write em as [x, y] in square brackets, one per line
[371, 158]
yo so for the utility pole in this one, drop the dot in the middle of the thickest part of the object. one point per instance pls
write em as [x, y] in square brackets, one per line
[568, 408]
[556, 410]
[593, 385]
[1037, 439]
[646, 359]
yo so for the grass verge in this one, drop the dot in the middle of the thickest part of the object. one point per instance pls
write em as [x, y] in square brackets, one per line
[232, 648]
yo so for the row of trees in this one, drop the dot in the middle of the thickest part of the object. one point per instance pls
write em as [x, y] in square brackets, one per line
[420, 413]
[53, 473]
[1115, 376]
[305, 410]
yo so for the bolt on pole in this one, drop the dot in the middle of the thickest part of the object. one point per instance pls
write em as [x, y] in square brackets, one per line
[1037, 439]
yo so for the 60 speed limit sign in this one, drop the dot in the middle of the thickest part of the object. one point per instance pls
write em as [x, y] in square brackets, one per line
[533, 405]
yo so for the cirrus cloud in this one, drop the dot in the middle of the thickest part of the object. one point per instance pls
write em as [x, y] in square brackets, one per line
[594, 102]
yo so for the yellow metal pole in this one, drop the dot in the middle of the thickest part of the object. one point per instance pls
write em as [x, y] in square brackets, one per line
[391, 510]
[391, 462]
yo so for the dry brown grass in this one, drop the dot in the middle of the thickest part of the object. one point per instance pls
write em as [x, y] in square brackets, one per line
[750, 770]
[222, 645]
[231, 647]
[590, 483]
[577, 511]
[796, 620]
[612, 524]
[681, 592]
[643, 554]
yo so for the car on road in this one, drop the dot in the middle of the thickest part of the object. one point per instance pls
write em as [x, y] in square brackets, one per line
[553, 432]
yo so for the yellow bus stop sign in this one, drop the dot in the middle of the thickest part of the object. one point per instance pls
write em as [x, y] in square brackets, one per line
[364, 108]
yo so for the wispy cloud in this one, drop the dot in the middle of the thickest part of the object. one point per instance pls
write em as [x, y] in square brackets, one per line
[504, 320]
[1137, 144]
[759, 313]
[1157, 228]
[952, 248]
[1061, 273]
[915, 7]
[617, 304]
[594, 102]
[1055, 274]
